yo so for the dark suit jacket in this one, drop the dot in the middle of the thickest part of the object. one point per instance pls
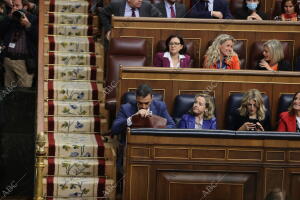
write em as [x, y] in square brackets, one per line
[180, 9]
[118, 9]
[127, 110]
[198, 9]
[287, 122]
[161, 61]
[188, 121]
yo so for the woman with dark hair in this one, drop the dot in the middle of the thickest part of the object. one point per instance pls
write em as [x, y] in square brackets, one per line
[273, 57]
[289, 11]
[174, 55]
[251, 11]
[201, 115]
[252, 113]
[290, 121]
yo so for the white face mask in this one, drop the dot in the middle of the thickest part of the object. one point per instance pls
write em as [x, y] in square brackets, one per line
[252, 6]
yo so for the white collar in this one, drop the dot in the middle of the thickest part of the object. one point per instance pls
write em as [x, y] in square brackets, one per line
[168, 55]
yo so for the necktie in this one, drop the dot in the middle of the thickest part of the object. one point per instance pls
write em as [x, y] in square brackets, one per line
[172, 12]
[133, 12]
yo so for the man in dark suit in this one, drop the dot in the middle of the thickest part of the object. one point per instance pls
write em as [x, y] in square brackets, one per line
[127, 8]
[171, 9]
[144, 106]
[217, 9]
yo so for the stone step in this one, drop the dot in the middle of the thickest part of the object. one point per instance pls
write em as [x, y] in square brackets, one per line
[71, 19]
[74, 108]
[71, 44]
[67, 6]
[79, 167]
[78, 146]
[78, 187]
[75, 90]
[73, 73]
[73, 59]
[70, 30]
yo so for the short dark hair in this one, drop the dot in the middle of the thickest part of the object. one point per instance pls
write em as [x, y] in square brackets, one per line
[183, 50]
[143, 90]
[294, 2]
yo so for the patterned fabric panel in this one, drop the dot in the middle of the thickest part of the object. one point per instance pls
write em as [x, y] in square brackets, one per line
[75, 145]
[71, 73]
[72, 58]
[72, 124]
[75, 167]
[72, 108]
[70, 30]
[69, 18]
[74, 186]
[68, 6]
[70, 44]
[61, 90]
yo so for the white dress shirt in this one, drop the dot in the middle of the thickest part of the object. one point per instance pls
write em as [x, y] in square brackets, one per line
[168, 55]
[168, 9]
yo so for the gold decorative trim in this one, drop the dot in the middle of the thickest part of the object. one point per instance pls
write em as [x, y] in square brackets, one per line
[298, 152]
[175, 148]
[245, 150]
[193, 158]
[197, 91]
[275, 152]
[131, 152]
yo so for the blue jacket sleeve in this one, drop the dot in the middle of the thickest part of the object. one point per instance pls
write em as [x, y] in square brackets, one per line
[213, 123]
[120, 123]
[182, 123]
[165, 114]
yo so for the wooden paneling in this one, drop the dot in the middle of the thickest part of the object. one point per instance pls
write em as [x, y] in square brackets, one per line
[214, 168]
[202, 31]
[218, 83]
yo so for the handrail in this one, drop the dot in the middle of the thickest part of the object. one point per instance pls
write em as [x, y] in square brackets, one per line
[40, 153]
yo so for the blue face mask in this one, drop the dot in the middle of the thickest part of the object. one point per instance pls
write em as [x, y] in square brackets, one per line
[252, 6]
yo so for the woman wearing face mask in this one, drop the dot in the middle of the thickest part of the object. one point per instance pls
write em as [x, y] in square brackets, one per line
[273, 57]
[289, 11]
[251, 11]
[252, 113]
[290, 120]
[220, 54]
[201, 115]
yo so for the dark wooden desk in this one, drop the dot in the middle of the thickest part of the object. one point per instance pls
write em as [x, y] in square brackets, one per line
[219, 83]
[177, 164]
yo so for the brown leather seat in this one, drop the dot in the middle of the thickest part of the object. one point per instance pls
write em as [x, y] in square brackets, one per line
[125, 52]
[257, 49]
[161, 46]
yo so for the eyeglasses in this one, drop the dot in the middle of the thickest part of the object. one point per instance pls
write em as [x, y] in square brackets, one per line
[174, 43]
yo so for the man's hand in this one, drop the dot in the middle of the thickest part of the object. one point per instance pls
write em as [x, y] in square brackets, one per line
[25, 22]
[143, 113]
[217, 14]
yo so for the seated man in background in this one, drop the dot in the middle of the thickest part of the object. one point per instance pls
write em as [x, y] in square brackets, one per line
[144, 106]
[126, 8]
[171, 9]
[217, 9]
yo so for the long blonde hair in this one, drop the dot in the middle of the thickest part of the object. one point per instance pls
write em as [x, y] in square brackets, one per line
[209, 106]
[212, 55]
[254, 95]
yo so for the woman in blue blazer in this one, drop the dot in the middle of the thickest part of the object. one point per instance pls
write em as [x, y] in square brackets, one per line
[201, 115]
